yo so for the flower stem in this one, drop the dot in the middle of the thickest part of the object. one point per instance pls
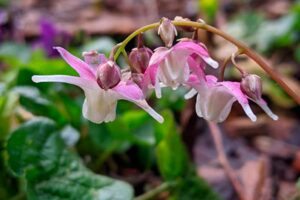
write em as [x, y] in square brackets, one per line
[132, 35]
[217, 138]
[153, 193]
[246, 50]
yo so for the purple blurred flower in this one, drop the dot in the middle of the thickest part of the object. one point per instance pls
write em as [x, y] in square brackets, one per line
[51, 36]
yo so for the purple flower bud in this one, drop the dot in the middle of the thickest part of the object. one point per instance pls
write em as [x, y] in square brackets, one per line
[137, 78]
[139, 59]
[93, 58]
[167, 31]
[108, 75]
[251, 85]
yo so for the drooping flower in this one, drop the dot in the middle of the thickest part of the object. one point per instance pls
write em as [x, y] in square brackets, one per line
[215, 99]
[101, 92]
[171, 66]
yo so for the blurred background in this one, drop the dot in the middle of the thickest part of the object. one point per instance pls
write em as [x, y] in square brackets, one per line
[42, 131]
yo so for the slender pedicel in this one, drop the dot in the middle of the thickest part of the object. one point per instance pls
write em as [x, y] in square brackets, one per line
[246, 50]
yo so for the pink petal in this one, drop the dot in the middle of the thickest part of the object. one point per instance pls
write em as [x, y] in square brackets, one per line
[77, 64]
[159, 54]
[192, 47]
[234, 89]
[198, 49]
[196, 68]
[131, 92]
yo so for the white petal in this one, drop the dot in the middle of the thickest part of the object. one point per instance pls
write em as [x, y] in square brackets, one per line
[211, 62]
[249, 112]
[267, 110]
[198, 108]
[74, 80]
[144, 105]
[99, 106]
[226, 110]
[157, 88]
[190, 94]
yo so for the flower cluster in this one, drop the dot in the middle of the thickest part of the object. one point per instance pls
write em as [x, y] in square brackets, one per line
[172, 66]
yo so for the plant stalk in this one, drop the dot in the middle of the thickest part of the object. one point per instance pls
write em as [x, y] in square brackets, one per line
[153, 193]
[241, 46]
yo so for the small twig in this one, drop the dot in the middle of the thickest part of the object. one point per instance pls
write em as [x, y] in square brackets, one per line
[153, 193]
[216, 134]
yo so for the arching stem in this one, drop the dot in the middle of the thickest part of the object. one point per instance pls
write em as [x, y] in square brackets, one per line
[246, 50]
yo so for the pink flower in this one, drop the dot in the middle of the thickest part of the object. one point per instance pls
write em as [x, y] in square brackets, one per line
[215, 99]
[170, 67]
[101, 92]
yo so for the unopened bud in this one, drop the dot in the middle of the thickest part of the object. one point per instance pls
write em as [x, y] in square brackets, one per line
[185, 28]
[167, 31]
[251, 85]
[108, 75]
[93, 58]
[137, 78]
[139, 59]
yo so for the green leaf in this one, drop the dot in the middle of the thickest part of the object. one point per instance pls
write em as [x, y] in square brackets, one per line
[8, 103]
[171, 154]
[193, 187]
[37, 151]
[172, 99]
[33, 145]
[32, 100]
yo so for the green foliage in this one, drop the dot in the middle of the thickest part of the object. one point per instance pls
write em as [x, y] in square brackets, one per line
[264, 34]
[193, 187]
[37, 151]
[8, 102]
[171, 154]
[209, 9]
[174, 165]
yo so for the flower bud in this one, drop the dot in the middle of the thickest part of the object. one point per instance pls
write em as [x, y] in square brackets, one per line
[139, 59]
[137, 78]
[185, 28]
[251, 85]
[108, 75]
[167, 31]
[92, 58]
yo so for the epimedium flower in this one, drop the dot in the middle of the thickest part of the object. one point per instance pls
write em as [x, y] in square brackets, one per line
[215, 99]
[103, 86]
[171, 68]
